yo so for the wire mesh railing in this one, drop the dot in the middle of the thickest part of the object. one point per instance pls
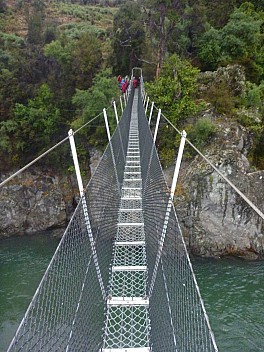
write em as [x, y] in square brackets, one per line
[69, 308]
[178, 318]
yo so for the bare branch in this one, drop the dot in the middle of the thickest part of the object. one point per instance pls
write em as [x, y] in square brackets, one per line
[146, 61]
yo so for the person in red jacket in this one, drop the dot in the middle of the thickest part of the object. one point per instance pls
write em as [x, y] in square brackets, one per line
[119, 79]
[135, 82]
[124, 86]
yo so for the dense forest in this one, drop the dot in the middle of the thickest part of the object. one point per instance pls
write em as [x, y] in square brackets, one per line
[59, 61]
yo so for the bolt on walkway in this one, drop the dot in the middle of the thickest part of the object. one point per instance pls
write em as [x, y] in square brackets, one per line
[127, 323]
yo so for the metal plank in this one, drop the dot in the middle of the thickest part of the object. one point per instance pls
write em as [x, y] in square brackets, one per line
[127, 301]
[130, 223]
[129, 268]
[131, 243]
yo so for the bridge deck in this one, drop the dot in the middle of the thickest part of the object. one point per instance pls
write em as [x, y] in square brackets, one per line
[127, 325]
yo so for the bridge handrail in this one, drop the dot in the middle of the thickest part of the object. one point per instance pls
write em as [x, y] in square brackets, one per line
[81, 256]
[242, 195]
[172, 238]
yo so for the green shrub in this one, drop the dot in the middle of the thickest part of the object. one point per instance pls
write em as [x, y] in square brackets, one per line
[221, 97]
[254, 95]
[167, 157]
[202, 132]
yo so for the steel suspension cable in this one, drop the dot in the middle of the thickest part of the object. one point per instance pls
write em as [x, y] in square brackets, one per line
[33, 162]
[45, 153]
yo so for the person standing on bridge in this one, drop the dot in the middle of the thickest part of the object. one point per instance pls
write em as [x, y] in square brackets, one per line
[121, 84]
[119, 79]
[124, 87]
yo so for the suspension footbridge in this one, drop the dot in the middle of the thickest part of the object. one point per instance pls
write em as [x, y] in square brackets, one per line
[121, 279]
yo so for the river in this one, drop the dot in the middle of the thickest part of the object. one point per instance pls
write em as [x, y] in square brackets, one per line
[232, 290]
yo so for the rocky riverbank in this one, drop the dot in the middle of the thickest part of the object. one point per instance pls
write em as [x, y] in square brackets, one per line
[34, 201]
[215, 220]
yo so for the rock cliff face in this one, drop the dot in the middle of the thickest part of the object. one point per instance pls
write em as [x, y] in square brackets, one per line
[32, 202]
[232, 75]
[215, 219]
[39, 200]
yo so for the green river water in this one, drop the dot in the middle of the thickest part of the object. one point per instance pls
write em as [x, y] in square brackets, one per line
[232, 290]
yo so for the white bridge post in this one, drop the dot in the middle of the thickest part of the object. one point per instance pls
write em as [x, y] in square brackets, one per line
[168, 210]
[151, 111]
[119, 133]
[111, 147]
[121, 104]
[145, 98]
[147, 106]
[85, 211]
[116, 114]
[157, 126]
[124, 97]
[178, 164]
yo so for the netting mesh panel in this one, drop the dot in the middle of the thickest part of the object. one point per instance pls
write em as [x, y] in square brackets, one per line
[67, 311]
[129, 255]
[178, 321]
[128, 284]
[130, 233]
[133, 325]
[133, 215]
[49, 322]
[120, 139]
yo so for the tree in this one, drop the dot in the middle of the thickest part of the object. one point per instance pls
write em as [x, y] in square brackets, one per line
[21, 70]
[61, 51]
[92, 102]
[241, 37]
[209, 49]
[37, 123]
[239, 41]
[87, 59]
[129, 38]
[161, 17]
[79, 59]
[174, 90]
[36, 20]
[189, 26]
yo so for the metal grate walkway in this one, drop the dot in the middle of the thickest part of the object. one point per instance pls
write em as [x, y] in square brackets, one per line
[127, 322]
